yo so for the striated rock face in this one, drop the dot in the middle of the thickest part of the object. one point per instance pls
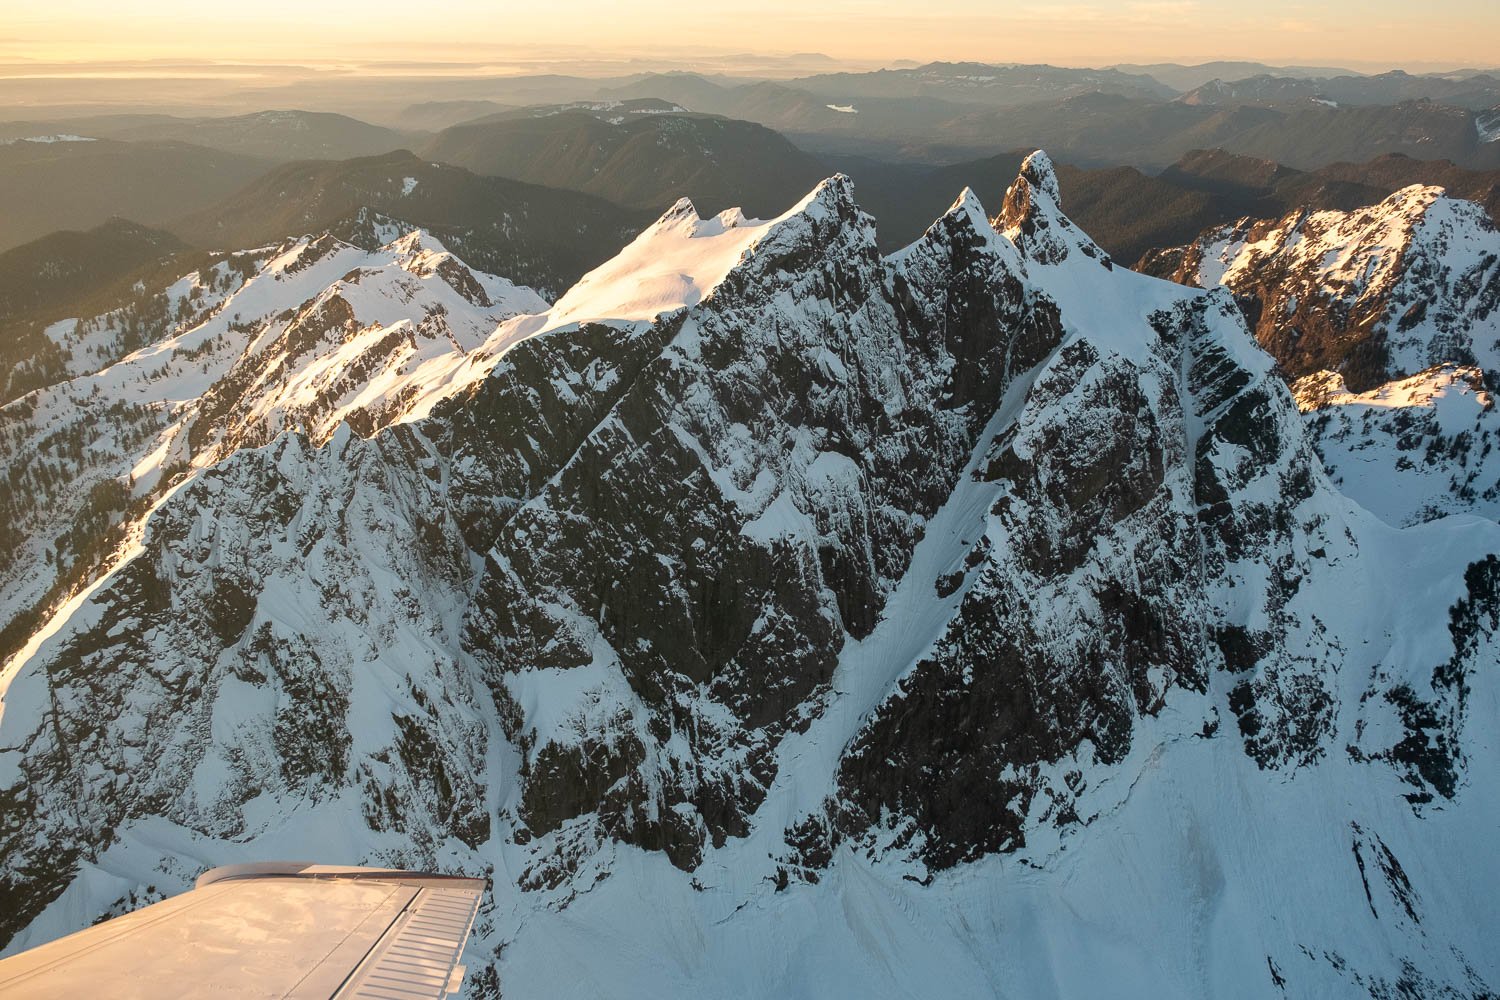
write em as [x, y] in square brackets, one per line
[776, 464]
[798, 615]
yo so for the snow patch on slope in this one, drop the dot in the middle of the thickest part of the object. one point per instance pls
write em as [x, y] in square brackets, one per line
[1413, 449]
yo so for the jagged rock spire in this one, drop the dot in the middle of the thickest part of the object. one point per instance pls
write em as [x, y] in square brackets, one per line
[1031, 216]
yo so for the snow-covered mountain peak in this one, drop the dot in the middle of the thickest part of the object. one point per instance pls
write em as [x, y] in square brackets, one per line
[927, 611]
[1037, 170]
[680, 259]
[1348, 250]
[833, 196]
[673, 263]
[305, 336]
[962, 230]
[682, 221]
[968, 205]
[1387, 318]
[1032, 218]
[415, 243]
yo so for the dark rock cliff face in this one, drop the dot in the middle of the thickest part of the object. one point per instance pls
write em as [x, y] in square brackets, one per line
[749, 502]
[979, 527]
[1132, 476]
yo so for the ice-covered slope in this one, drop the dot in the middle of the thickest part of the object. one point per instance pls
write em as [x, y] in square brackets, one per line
[977, 620]
[1387, 319]
[670, 265]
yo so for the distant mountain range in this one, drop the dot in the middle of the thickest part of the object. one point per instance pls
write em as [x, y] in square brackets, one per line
[914, 115]
[1477, 92]
[51, 181]
[981, 83]
[906, 137]
[544, 236]
[268, 135]
[641, 154]
[1184, 78]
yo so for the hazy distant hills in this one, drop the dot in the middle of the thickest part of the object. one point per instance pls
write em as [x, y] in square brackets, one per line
[638, 157]
[271, 135]
[791, 110]
[278, 135]
[434, 116]
[53, 269]
[1476, 92]
[47, 185]
[1130, 143]
[540, 236]
[934, 117]
[1314, 136]
[76, 173]
[1184, 78]
[980, 83]
[1103, 129]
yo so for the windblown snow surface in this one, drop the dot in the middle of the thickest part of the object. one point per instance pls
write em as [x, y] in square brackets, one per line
[771, 618]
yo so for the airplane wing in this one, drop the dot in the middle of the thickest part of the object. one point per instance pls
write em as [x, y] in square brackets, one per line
[278, 929]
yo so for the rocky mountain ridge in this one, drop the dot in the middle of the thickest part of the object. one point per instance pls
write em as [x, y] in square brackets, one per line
[305, 336]
[1387, 322]
[812, 621]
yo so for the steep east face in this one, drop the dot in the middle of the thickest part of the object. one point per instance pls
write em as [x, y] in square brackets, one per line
[797, 619]
[783, 450]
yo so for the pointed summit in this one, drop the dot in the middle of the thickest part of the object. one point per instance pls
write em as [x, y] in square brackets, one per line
[682, 211]
[968, 205]
[833, 194]
[965, 224]
[1037, 170]
[1032, 216]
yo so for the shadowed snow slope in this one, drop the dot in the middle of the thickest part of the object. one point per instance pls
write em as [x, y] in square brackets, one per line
[774, 618]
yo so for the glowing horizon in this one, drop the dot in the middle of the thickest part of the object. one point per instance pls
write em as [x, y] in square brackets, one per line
[1379, 34]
